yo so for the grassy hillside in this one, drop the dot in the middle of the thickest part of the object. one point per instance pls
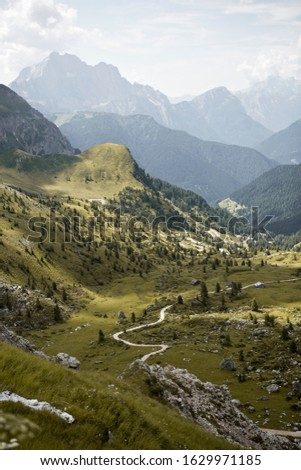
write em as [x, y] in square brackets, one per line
[108, 415]
[277, 193]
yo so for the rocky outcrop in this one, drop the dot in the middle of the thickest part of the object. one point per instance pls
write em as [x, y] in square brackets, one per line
[211, 406]
[35, 405]
[9, 337]
[24, 128]
[25, 308]
[66, 360]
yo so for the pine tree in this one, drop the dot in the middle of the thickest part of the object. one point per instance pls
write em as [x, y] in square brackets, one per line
[284, 334]
[64, 295]
[223, 303]
[293, 347]
[101, 336]
[57, 313]
[204, 294]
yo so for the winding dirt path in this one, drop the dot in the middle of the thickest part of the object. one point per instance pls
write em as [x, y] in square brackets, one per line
[273, 282]
[162, 347]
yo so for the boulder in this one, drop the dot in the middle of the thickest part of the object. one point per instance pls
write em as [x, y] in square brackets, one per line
[273, 388]
[121, 315]
[296, 388]
[68, 361]
[228, 364]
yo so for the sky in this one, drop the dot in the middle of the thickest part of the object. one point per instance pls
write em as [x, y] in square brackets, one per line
[181, 47]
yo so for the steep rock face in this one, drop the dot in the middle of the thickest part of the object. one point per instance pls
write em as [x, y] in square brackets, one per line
[211, 406]
[24, 128]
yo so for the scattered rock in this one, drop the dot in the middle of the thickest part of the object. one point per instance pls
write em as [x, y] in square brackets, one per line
[67, 361]
[236, 403]
[296, 388]
[273, 388]
[228, 364]
[121, 316]
[260, 332]
[251, 408]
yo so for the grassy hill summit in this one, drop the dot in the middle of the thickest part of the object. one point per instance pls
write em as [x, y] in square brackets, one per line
[100, 171]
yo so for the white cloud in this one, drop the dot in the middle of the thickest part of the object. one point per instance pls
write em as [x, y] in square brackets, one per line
[270, 12]
[31, 29]
[283, 61]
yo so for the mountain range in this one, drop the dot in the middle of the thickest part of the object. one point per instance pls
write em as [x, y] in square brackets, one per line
[284, 146]
[210, 169]
[63, 83]
[274, 102]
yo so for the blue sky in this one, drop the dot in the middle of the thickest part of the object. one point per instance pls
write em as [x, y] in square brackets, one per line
[178, 46]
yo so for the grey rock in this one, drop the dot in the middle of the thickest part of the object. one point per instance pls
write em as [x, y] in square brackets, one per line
[121, 315]
[296, 388]
[273, 388]
[236, 403]
[260, 332]
[67, 361]
[228, 364]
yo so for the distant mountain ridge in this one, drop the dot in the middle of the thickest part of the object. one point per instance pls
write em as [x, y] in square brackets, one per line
[210, 169]
[63, 83]
[224, 112]
[284, 146]
[274, 102]
[24, 128]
